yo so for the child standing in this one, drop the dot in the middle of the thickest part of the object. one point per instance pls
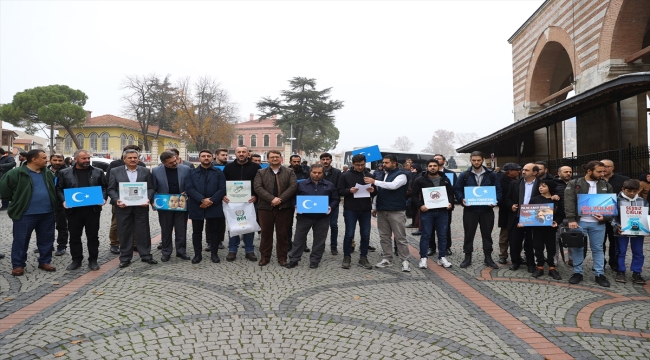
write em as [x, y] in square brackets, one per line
[629, 196]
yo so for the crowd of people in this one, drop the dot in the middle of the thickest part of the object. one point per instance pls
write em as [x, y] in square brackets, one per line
[34, 195]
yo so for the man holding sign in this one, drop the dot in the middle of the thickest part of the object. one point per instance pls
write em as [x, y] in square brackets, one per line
[83, 206]
[433, 195]
[475, 215]
[311, 194]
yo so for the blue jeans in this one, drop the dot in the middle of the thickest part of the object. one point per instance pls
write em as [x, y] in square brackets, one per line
[429, 220]
[636, 243]
[334, 227]
[233, 243]
[43, 224]
[351, 217]
[596, 233]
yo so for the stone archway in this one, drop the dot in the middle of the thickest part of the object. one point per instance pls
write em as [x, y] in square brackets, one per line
[625, 30]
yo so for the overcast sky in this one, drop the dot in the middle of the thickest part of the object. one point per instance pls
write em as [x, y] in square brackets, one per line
[402, 68]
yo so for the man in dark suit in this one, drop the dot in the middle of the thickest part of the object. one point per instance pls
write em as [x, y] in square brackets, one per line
[511, 173]
[131, 219]
[169, 178]
[616, 180]
[205, 187]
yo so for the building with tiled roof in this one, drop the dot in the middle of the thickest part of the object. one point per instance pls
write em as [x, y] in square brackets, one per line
[259, 136]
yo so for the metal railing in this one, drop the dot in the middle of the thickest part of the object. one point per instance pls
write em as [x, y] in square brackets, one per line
[636, 161]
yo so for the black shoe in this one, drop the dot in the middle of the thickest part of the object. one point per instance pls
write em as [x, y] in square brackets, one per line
[159, 247]
[637, 278]
[503, 261]
[60, 252]
[514, 267]
[575, 278]
[431, 252]
[183, 256]
[538, 272]
[346, 262]
[411, 226]
[197, 259]
[307, 249]
[2, 256]
[115, 250]
[74, 265]
[93, 265]
[335, 251]
[215, 259]
[150, 261]
[292, 264]
[467, 262]
[531, 268]
[370, 248]
[207, 248]
[124, 264]
[313, 265]
[554, 274]
[416, 233]
[164, 258]
[36, 251]
[221, 247]
[602, 281]
[489, 262]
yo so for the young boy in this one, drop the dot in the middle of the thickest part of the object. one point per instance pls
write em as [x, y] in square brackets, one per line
[629, 196]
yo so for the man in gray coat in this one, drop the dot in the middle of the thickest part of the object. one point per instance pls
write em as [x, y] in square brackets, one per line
[131, 218]
[169, 178]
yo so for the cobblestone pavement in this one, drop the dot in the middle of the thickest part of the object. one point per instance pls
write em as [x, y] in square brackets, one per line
[236, 310]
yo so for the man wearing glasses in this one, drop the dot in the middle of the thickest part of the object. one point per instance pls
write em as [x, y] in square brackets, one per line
[616, 181]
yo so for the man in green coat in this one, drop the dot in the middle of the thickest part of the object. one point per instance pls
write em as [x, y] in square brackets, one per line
[30, 189]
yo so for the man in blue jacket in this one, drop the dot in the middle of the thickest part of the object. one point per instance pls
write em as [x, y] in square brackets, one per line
[205, 187]
[314, 185]
[170, 179]
[474, 216]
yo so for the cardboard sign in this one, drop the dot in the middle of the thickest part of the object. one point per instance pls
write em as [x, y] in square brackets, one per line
[435, 197]
[634, 220]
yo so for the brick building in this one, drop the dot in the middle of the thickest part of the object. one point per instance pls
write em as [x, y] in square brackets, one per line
[595, 50]
[258, 136]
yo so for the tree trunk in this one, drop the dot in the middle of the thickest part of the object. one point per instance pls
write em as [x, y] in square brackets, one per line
[68, 128]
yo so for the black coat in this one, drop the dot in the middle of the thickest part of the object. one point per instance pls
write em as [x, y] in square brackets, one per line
[516, 193]
[66, 179]
[504, 209]
[422, 182]
[617, 182]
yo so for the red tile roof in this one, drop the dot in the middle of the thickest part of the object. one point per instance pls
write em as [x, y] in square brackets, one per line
[116, 121]
[255, 124]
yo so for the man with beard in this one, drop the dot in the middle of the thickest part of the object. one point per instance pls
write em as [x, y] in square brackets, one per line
[511, 172]
[220, 159]
[564, 175]
[432, 245]
[332, 175]
[82, 175]
[301, 175]
[543, 171]
[57, 163]
[242, 169]
[591, 225]
[616, 181]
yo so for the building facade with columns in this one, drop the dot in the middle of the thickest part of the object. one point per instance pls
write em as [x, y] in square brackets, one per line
[580, 84]
[259, 136]
[106, 136]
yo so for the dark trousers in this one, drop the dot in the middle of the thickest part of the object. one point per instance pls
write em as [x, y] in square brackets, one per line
[213, 227]
[432, 244]
[290, 234]
[43, 224]
[544, 237]
[351, 217]
[517, 236]
[80, 218]
[320, 228]
[613, 246]
[175, 221]
[279, 219]
[129, 223]
[472, 220]
[112, 234]
[334, 227]
[61, 221]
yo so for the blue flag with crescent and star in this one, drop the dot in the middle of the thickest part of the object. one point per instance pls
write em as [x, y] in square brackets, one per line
[480, 195]
[83, 196]
[312, 204]
[372, 153]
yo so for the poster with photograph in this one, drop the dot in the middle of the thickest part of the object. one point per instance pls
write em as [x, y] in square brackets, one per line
[536, 214]
[435, 197]
[634, 220]
[133, 193]
[171, 202]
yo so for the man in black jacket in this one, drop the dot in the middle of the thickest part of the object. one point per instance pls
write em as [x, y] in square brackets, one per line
[332, 175]
[511, 172]
[453, 177]
[243, 169]
[616, 181]
[543, 171]
[7, 162]
[564, 175]
[356, 209]
[82, 175]
[57, 164]
[301, 175]
[520, 192]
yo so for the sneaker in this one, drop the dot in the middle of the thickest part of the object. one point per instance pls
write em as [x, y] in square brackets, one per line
[602, 281]
[346, 262]
[423, 263]
[364, 263]
[575, 278]
[620, 277]
[384, 263]
[554, 274]
[638, 279]
[443, 262]
[406, 267]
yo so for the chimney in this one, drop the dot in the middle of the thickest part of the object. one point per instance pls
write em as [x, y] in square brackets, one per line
[88, 114]
[252, 117]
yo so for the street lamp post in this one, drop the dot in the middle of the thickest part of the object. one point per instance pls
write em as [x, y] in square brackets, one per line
[292, 139]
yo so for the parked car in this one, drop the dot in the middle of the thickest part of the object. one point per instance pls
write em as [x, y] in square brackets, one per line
[101, 163]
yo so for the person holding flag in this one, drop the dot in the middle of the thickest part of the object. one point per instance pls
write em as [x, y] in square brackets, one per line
[83, 206]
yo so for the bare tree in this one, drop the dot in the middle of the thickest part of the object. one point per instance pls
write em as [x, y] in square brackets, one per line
[206, 115]
[442, 142]
[402, 143]
[465, 138]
